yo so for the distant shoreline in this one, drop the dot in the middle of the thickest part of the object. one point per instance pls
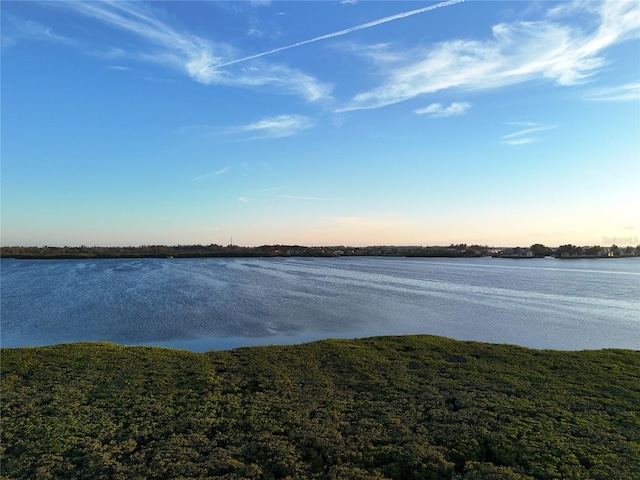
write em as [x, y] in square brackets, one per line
[259, 255]
[233, 251]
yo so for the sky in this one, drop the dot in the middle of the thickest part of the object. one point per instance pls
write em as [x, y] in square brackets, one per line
[357, 123]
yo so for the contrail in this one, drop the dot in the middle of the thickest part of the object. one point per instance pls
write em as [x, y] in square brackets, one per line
[345, 31]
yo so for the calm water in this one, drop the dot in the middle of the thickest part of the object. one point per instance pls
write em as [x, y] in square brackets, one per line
[203, 304]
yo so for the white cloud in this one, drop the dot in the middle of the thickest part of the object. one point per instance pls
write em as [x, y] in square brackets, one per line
[518, 141]
[189, 52]
[215, 174]
[279, 78]
[199, 58]
[243, 199]
[254, 32]
[523, 136]
[381, 54]
[437, 110]
[629, 92]
[552, 49]
[16, 30]
[275, 127]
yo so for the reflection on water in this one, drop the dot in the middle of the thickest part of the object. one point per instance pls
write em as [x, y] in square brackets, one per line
[202, 304]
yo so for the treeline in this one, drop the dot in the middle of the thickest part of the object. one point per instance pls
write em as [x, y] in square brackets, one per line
[150, 251]
[570, 250]
[415, 407]
[183, 251]
[214, 250]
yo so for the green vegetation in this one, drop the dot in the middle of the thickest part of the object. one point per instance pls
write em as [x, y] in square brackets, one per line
[202, 251]
[213, 250]
[415, 407]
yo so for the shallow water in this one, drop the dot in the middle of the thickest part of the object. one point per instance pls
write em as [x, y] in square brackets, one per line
[203, 304]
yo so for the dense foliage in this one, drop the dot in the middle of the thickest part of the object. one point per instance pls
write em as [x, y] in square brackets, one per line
[415, 407]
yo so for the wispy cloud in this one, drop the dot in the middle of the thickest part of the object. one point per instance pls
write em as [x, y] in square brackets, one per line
[518, 141]
[164, 44]
[274, 127]
[198, 57]
[209, 176]
[277, 78]
[346, 31]
[17, 30]
[255, 30]
[552, 48]
[629, 92]
[524, 135]
[437, 110]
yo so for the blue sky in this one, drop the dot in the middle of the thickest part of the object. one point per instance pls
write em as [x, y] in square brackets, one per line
[320, 123]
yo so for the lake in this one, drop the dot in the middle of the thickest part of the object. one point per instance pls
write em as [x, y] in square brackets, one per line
[220, 303]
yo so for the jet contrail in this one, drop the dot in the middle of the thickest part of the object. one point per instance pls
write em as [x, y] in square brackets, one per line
[345, 31]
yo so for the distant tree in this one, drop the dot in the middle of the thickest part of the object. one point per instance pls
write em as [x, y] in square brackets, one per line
[539, 250]
[568, 251]
[595, 250]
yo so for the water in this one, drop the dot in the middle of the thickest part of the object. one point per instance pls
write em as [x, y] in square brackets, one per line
[204, 304]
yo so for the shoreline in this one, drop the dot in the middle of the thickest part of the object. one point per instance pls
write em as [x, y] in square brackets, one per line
[284, 255]
[309, 341]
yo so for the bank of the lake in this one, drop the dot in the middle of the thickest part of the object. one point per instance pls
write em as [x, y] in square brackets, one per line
[386, 407]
